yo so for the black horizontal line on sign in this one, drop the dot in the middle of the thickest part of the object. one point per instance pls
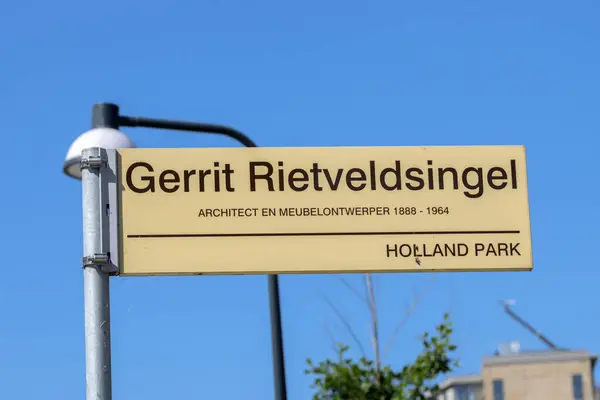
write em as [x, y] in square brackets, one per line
[405, 233]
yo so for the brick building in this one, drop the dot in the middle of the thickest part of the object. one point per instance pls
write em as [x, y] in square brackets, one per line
[538, 375]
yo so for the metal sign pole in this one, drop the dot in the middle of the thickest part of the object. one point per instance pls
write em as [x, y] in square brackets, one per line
[95, 278]
[95, 283]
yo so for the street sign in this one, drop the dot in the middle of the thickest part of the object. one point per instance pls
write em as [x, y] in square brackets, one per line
[322, 210]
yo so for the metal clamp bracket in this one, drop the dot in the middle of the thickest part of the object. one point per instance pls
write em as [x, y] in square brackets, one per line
[99, 260]
[93, 162]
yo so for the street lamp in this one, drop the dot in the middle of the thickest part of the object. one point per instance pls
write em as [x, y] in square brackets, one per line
[105, 138]
[105, 133]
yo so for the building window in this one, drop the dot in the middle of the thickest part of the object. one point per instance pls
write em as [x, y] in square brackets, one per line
[577, 387]
[464, 392]
[498, 389]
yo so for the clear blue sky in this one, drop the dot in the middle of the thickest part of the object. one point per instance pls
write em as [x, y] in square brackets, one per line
[289, 74]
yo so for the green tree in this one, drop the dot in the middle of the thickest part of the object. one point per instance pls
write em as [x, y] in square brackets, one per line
[345, 378]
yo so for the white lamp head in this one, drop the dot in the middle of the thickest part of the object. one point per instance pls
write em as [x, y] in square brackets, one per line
[106, 138]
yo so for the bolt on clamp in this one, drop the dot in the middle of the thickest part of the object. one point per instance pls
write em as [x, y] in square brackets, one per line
[99, 260]
[93, 162]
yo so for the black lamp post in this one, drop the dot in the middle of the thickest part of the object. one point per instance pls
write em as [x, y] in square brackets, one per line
[106, 115]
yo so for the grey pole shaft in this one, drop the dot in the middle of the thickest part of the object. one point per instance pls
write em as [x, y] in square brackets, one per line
[95, 285]
[96, 295]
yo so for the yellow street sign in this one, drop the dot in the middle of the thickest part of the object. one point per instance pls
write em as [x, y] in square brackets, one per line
[323, 210]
